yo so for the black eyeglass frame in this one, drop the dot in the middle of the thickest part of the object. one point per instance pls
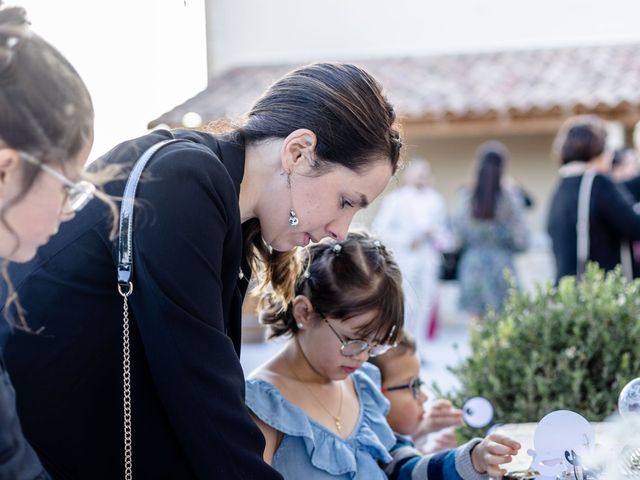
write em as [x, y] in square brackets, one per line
[415, 384]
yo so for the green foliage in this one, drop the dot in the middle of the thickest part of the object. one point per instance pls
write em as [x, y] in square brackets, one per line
[571, 347]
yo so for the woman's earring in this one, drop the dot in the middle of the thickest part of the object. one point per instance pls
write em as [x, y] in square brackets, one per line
[300, 325]
[293, 218]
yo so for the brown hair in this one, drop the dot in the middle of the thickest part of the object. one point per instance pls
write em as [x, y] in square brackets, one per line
[354, 124]
[406, 345]
[46, 108]
[580, 139]
[342, 280]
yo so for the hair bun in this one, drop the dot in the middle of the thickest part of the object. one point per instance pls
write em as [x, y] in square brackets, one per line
[14, 28]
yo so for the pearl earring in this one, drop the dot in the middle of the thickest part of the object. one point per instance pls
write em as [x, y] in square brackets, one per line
[300, 325]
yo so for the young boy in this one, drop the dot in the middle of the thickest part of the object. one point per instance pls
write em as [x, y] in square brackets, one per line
[401, 385]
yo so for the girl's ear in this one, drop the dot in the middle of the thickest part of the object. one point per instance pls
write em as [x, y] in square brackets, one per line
[302, 311]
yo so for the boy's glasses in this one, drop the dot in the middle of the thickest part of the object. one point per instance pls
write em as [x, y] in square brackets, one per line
[78, 194]
[415, 384]
[352, 348]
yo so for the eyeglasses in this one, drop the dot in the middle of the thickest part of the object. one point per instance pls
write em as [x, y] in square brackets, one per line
[78, 194]
[415, 384]
[352, 348]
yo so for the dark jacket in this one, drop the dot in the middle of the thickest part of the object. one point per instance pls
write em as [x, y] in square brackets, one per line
[611, 220]
[189, 416]
[17, 459]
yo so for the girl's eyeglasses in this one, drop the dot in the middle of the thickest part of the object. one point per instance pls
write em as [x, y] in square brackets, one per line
[78, 194]
[415, 384]
[352, 348]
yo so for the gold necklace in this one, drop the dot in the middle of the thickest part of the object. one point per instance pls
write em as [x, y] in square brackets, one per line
[336, 418]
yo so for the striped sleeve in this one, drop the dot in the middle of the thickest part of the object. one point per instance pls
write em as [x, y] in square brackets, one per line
[409, 464]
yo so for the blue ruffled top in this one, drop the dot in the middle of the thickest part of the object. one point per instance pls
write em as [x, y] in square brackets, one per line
[309, 448]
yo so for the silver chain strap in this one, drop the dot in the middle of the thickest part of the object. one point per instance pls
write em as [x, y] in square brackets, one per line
[125, 288]
[126, 382]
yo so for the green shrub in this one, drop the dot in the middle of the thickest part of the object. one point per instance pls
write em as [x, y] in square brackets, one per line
[568, 347]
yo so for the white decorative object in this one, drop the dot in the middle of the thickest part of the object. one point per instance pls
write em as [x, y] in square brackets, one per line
[477, 412]
[560, 440]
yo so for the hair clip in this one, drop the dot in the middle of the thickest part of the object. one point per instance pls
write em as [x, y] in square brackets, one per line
[337, 249]
[12, 42]
[393, 330]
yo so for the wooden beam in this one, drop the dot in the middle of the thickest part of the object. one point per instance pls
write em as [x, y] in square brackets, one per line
[504, 125]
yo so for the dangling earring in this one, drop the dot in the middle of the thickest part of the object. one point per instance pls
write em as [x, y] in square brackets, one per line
[293, 218]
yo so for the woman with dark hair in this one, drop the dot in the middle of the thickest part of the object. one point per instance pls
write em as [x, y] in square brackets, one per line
[489, 223]
[319, 145]
[46, 132]
[608, 217]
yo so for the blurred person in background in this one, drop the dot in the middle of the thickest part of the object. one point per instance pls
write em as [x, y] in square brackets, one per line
[585, 164]
[412, 222]
[490, 228]
[625, 170]
[624, 164]
[46, 133]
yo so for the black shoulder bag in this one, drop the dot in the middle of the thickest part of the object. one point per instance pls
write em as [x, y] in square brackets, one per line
[125, 287]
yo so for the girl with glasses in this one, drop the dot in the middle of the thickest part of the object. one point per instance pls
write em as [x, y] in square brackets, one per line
[317, 402]
[402, 386]
[320, 144]
[46, 130]
[321, 413]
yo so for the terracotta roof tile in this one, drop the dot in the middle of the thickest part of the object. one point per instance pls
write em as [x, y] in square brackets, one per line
[481, 85]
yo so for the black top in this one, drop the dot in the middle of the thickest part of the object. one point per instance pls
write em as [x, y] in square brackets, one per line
[611, 220]
[189, 416]
[17, 459]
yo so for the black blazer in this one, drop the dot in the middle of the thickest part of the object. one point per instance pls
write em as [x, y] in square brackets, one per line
[189, 416]
[612, 219]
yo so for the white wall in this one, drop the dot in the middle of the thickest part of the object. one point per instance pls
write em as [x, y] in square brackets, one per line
[272, 31]
[139, 58]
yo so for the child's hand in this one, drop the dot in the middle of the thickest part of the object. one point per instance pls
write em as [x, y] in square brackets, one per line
[445, 440]
[493, 451]
[441, 415]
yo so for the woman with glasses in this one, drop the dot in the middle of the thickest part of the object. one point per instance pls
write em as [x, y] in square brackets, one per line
[320, 144]
[46, 129]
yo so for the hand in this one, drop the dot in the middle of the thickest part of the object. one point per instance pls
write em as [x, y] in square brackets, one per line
[441, 441]
[492, 452]
[441, 415]
[445, 441]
